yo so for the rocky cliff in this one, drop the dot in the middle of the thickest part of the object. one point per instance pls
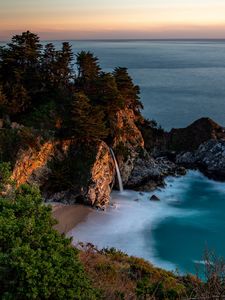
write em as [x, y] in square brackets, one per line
[127, 142]
[149, 173]
[67, 171]
[209, 158]
[71, 171]
[191, 137]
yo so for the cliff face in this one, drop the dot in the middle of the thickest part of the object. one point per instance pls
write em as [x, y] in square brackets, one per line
[68, 172]
[191, 137]
[102, 177]
[32, 164]
[128, 141]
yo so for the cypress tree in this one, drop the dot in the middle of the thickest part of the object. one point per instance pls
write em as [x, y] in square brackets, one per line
[88, 72]
[86, 120]
[128, 90]
[20, 71]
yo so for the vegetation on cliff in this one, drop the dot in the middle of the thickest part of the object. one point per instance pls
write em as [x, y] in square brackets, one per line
[40, 87]
[50, 95]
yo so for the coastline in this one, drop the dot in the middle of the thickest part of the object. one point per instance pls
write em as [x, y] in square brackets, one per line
[69, 216]
[154, 227]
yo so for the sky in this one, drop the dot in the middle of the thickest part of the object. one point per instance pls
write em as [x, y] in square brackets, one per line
[113, 19]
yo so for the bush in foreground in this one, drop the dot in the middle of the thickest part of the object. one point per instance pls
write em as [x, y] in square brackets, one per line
[36, 262]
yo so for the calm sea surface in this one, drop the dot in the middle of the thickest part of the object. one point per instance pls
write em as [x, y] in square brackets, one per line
[180, 81]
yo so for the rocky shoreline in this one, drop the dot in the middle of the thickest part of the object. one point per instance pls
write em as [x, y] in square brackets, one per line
[208, 158]
[70, 172]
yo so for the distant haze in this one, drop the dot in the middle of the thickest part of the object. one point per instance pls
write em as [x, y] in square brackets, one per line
[114, 19]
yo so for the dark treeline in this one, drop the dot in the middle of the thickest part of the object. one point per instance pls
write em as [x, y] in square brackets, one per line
[40, 87]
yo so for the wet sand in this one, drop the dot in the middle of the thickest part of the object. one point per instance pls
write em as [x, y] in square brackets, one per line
[68, 216]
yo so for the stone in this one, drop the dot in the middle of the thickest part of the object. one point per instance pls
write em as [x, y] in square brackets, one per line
[127, 141]
[33, 166]
[209, 158]
[149, 173]
[154, 198]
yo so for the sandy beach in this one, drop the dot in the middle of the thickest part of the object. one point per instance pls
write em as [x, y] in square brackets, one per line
[68, 216]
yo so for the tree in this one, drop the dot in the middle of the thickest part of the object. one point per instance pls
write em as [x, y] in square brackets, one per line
[128, 90]
[107, 93]
[19, 66]
[57, 65]
[88, 65]
[36, 262]
[18, 99]
[48, 64]
[88, 71]
[86, 120]
[64, 64]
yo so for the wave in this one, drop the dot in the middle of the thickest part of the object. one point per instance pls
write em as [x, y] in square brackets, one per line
[203, 262]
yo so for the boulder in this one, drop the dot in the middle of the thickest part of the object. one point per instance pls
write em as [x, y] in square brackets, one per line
[154, 198]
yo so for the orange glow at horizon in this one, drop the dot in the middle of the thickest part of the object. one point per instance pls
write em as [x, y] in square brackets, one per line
[149, 18]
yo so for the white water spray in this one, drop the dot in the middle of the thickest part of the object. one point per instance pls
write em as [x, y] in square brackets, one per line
[117, 171]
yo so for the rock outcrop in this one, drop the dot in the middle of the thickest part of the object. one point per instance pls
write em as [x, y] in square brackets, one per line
[128, 141]
[209, 158]
[150, 173]
[32, 164]
[102, 177]
[68, 172]
[154, 198]
[191, 137]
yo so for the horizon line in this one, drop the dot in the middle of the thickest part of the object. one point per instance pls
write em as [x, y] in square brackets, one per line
[128, 39]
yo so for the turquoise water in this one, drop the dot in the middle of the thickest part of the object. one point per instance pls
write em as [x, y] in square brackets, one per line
[172, 233]
[182, 240]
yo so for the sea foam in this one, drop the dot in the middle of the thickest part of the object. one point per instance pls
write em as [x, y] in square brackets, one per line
[130, 219]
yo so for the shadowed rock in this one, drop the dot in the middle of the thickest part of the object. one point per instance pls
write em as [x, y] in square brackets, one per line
[154, 198]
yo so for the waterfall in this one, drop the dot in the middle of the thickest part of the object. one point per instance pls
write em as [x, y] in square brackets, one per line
[117, 171]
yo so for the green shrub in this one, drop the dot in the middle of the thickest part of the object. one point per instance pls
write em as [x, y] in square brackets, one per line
[36, 262]
[5, 174]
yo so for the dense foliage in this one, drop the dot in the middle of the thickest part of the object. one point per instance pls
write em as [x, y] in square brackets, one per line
[35, 261]
[40, 87]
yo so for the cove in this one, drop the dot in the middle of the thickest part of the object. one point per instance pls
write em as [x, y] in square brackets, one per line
[171, 233]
